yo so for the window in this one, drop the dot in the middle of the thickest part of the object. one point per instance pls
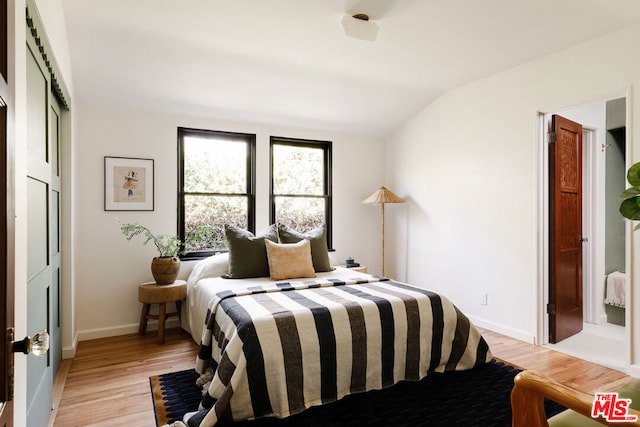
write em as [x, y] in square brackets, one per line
[216, 185]
[300, 188]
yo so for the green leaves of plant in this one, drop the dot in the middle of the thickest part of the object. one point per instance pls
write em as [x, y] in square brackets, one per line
[633, 175]
[630, 208]
[630, 205]
[167, 245]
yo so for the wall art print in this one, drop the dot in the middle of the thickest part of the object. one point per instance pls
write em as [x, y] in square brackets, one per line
[128, 184]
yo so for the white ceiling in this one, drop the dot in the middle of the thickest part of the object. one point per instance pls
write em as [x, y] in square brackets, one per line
[288, 62]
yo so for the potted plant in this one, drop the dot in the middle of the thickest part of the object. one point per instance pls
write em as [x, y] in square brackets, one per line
[166, 266]
[630, 205]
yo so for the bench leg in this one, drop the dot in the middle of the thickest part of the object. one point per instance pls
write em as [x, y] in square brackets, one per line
[143, 319]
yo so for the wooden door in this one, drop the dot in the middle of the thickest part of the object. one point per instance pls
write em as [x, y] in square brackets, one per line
[565, 194]
[6, 228]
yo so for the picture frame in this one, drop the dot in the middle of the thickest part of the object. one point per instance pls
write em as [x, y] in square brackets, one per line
[128, 184]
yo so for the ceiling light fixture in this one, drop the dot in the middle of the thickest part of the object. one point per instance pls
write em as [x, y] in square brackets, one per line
[358, 26]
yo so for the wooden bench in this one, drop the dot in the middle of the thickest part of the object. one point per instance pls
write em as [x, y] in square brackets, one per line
[152, 293]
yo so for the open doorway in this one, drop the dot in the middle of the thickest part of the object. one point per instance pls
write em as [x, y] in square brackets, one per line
[603, 339]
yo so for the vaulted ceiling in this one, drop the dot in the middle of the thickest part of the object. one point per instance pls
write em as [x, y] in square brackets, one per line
[288, 62]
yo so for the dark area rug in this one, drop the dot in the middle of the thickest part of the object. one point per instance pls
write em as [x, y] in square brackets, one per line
[174, 395]
[478, 397]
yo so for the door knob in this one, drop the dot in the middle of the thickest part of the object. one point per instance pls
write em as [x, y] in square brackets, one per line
[38, 345]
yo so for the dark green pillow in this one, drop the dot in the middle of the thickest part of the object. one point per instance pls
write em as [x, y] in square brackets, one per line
[247, 253]
[318, 239]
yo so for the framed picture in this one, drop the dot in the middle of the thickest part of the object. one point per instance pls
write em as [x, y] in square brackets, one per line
[128, 184]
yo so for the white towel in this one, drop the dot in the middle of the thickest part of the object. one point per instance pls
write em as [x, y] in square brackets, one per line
[615, 290]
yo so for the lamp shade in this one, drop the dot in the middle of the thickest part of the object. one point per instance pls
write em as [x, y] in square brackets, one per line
[382, 195]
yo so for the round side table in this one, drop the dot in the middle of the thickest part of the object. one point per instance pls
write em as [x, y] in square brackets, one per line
[151, 293]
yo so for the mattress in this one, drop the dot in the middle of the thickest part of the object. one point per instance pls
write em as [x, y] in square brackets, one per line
[205, 280]
[277, 348]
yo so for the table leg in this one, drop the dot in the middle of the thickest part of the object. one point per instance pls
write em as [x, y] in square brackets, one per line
[143, 319]
[179, 308]
[161, 319]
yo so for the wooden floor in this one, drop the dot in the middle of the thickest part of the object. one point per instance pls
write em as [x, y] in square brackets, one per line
[108, 382]
[568, 370]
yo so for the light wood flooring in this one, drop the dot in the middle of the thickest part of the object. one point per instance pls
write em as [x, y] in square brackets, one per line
[107, 383]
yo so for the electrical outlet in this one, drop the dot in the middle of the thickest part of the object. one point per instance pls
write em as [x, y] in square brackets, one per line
[483, 298]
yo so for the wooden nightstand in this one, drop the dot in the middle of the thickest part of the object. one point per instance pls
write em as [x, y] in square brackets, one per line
[151, 293]
[360, 269]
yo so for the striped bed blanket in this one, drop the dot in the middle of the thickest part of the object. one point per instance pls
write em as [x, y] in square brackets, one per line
[278, 349]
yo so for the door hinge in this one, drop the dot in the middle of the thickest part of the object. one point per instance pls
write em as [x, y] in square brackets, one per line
[551, 308]
[551, 137]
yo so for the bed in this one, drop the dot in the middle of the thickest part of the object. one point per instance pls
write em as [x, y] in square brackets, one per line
[278, 347]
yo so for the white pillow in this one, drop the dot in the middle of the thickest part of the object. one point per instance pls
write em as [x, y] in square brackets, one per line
[213, 266]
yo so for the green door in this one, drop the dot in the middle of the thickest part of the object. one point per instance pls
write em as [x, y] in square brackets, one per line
[43, 234]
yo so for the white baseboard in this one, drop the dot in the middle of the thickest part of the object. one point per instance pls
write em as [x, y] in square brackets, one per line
[70, 352]
[504, 330]
[633, 370]
[152, 325]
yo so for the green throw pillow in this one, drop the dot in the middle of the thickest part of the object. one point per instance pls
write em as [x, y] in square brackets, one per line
[247, 253]
[318, 239]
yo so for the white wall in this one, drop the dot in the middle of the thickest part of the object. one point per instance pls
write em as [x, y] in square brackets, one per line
[109, 268]
[52, 15]
[468, 164]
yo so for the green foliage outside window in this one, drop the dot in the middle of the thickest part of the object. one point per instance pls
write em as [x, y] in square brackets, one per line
[298, 170]
[215, 191]
[215, 166]
[301, 214]
[215, 187]
[299, 186]
[215, 211]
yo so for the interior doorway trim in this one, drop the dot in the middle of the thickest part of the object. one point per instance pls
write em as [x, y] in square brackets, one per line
[593, 248]
[542, 333]
[592, 168]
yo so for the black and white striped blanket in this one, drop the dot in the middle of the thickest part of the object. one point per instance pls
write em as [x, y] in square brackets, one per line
[278, 349]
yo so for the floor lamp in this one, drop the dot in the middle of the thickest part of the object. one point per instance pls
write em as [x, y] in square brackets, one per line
[382, 196]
